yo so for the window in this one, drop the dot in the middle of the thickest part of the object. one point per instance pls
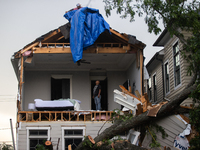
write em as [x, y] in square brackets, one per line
[61, 87]
[36, 136]
[72, 136]
[177, 76]
[149, 88]
[154, 88]
[166, 75]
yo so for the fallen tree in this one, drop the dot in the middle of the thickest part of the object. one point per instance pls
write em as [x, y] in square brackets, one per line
[168, 109]
[176, 15]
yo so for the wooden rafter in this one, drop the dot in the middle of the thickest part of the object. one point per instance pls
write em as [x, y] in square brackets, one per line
[29, 47]
[118, 34]
[51, 35]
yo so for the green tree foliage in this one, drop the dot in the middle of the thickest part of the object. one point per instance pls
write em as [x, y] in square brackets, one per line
[176, 16]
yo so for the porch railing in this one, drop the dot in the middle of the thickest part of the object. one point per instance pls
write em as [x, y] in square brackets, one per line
[35, 116]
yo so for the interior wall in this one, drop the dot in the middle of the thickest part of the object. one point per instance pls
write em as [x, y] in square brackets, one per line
[133, 74]
[37, 85]
[115, 78]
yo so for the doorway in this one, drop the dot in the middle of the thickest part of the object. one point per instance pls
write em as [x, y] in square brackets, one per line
[104, 95]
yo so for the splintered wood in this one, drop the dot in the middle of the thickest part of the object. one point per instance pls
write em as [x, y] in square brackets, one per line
[146, 105]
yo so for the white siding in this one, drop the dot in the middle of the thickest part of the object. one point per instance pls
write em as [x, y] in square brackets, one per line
[133, 74]
[172, 126]
[91, 129]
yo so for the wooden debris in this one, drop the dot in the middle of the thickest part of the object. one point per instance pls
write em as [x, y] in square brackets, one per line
[91, 139]
[138, 94]
[69, 147]
[127, 92]
[154, 109]
[47, 143]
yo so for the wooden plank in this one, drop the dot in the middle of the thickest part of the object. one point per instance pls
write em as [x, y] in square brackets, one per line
[100, 50]
[139, 109]
[29, 47]
[138, 94]
[141, 72]
[128, 47]
[21, 82]
[119, 35]
[51, 35]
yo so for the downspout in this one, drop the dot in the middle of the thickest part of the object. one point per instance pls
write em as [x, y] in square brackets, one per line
[162, 75]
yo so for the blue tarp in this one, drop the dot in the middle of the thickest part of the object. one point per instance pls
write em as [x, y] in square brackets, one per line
[86, 26]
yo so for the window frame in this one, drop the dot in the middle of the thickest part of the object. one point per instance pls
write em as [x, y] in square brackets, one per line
[72, 136]
[36, 137]
[149, 89]
[166, 92]
[176, 43]
[154, 87]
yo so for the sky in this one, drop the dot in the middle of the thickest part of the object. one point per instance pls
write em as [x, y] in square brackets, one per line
[22, 21]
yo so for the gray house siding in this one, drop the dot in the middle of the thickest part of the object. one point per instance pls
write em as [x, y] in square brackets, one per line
[159, 92]
[185, 78]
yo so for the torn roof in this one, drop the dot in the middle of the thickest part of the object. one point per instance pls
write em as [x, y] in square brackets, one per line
[61, 35]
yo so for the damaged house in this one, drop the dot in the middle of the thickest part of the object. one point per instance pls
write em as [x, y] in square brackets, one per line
[55, 94]
[168, 76]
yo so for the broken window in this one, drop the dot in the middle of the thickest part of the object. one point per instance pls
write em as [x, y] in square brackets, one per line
[177, 75]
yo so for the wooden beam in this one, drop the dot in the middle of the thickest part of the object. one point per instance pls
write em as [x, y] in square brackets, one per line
[51, 35]
[60, 38]
[100, 50]
[29, 47]
[141, 72]
[21, 82]
[127, 47]
[118, 34]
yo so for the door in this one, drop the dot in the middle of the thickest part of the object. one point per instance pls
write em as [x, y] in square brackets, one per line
[104, 94]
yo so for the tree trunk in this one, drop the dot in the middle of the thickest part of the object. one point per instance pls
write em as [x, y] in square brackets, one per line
[165, 110]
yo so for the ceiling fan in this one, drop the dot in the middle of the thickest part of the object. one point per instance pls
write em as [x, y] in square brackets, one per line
[82, 61]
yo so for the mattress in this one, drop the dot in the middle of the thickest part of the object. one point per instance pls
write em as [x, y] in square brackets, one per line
[58, 105]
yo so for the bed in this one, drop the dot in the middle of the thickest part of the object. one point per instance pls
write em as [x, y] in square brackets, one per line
[57, 105]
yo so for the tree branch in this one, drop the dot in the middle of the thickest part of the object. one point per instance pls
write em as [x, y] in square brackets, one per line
[166, 110]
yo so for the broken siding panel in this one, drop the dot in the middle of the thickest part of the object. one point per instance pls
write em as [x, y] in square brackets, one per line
[172, 126]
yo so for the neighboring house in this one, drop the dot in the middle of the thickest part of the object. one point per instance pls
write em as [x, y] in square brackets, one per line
[45, 70]
[167, 70]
